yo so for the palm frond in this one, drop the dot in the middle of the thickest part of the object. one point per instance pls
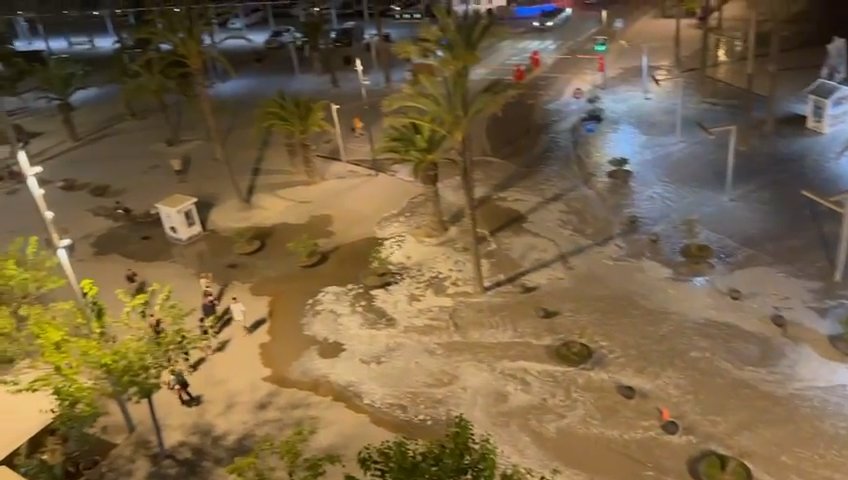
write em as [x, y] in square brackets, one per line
[297, 116]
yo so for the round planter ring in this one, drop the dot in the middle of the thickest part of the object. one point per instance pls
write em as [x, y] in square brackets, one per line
[248, 247]
[377, 280]
[718, 466]
[573, 353]
[697, 252]
[620, 174]
[311, 260]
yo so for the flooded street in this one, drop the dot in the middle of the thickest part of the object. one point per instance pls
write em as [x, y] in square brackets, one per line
[602, 256]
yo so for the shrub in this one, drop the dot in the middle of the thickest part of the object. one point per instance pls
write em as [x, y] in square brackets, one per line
[303, 246]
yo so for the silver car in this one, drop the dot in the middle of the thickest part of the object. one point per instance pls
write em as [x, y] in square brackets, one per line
[283, 35]
[552, 18]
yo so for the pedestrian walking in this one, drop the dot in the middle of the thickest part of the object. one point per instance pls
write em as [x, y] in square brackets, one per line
[131, 277]
[237, 312]
[209, 307]
[205, 282]
[155, 324]
[358, 127]
[205, 335]
[179, 384]
[121, 209]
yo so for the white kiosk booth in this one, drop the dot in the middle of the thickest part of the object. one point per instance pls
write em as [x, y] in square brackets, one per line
[827, 105]
[179, 218]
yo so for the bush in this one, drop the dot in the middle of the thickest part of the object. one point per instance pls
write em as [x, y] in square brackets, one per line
[246, 242]
[618, 162]
[304, 247]
[717, 466]
[573, 353]
[99, 190]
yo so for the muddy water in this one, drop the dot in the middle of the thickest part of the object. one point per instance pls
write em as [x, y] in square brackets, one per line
[290, 292]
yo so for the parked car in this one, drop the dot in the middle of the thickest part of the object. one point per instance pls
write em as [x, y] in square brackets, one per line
[283, 35]
[349, 34]
[552, 18]
[251, 17]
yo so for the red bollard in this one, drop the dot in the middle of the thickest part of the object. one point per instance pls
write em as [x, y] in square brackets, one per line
[535, 60]
[602, 66]
[518, 74]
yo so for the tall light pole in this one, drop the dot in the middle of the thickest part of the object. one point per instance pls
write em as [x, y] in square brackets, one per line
[678, 121]
[363, 82]
[334, 111]
[837, 203]
[61, 245]
[731, 154]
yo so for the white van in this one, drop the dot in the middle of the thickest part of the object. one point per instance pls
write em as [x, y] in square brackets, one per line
[251, 17]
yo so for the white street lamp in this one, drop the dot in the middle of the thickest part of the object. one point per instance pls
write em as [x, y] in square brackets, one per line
[60, 244]
[364, 93]
[837, 203]
[334, 111]
[731, 154]
[678, 121]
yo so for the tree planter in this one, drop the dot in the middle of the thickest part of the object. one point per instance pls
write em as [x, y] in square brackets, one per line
[670, 427]
[311, 260]
[696, 252]
[718, 466]
[573, 353]
[145, 217]
[839, 341]
[68, 184]
[620, 174]
[247, 246]
[99, 190]
[626, 391]
[778, 320]
[377, 279]
[544, 313]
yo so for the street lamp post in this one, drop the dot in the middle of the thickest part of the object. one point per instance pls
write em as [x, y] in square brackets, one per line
[731, 154]
[61, 245]
[678, 120]
[645, 72]
[837, 203]
[363, 82]
[334, 111]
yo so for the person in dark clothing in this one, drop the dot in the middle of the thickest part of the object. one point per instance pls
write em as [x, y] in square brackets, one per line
[179, 384]
[155, 324]
[131, 276]
[122, 209]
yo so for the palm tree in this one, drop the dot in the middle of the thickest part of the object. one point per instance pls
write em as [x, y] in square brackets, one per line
[322, 58]
[298, 118]
[60, 79]
[448, 103]
[424, 147]
[185, 31]
[153, 79]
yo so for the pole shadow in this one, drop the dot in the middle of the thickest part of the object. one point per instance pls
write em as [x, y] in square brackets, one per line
[256, 168]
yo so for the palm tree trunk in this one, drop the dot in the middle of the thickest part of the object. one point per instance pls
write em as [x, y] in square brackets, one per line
[326, 57]
[205, 104]
[705, 38]
[157, 429]
[66, 114]
[126, 102]
[382, 49]
[774, 54]
[467, 177]
[305, 153]
[430, 180]
[125, 412]
[173, 136]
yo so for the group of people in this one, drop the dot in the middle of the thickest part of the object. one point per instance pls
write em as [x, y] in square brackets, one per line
[209, 323]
